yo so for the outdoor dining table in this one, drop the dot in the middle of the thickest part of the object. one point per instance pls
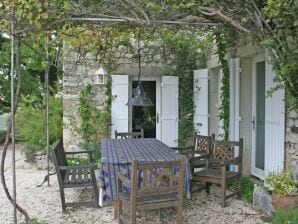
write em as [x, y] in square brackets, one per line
[118, 154]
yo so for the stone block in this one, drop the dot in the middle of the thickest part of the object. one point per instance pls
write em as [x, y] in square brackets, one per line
[90, 56]
[262, 200]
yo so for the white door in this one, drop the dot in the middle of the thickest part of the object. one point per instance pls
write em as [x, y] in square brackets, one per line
[201, 101]
[119, 108]
[267, 121]
[169, 110]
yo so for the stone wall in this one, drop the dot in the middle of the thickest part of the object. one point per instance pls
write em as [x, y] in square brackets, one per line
[292, 142]
[79, 69]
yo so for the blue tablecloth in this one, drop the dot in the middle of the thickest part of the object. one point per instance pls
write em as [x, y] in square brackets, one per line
[117, 155]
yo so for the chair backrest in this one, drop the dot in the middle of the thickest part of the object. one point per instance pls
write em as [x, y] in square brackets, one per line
[126, 135]
[226, 150]
[202, 144]
[157, 178]
[59, 159]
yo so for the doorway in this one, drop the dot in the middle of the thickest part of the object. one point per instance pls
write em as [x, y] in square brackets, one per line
[145, 117]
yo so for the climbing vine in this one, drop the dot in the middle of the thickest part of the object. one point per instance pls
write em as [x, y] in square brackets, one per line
[94, 121]
[190, 54]
[224, 110]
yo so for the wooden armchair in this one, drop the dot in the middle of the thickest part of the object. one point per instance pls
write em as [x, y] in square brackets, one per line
[198, 154]
[74, 176]
[218, 168]
[126, 135]
[164, 191]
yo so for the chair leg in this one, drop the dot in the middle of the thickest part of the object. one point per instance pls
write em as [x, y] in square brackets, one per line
[96, 193]
[208, 187]
[133, 216]
[223, 194]
[62, 196]
[179, 214]
[118, 209]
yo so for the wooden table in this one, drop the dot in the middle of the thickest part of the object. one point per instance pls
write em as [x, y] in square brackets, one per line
[117, 155]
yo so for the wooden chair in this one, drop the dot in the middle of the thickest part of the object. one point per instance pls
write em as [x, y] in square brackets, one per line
[126, 135]
[218, 169]
[145, 195]
[74, 176]
[198, 154]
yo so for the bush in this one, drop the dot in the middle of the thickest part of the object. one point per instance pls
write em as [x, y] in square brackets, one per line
[30, 123]
[247, 187]
[283, 217]
[281, 183]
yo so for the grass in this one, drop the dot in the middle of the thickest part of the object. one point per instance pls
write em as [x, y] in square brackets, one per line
[247, 187]
[283, 217]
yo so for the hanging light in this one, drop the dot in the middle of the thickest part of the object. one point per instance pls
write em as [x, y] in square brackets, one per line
[139, 99]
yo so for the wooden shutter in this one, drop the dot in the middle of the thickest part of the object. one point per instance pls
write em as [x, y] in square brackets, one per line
[169, 110]
[119, 100]
[200, 98]
[234, 126]
[274, 125]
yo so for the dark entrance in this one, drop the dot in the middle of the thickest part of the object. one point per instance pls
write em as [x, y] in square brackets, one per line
[144, 117]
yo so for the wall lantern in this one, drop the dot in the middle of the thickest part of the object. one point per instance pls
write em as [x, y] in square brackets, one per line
[100, 76]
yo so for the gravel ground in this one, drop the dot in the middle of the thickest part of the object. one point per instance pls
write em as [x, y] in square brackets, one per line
[44, 203]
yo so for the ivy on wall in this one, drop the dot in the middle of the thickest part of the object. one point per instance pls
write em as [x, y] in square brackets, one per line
[190, 54]
[94, 121]
[224, 110]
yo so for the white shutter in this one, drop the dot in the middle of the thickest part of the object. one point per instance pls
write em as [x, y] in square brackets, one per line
[200, 89]
[169, 110]
[274, 125]
[234, 126]
[119, 100]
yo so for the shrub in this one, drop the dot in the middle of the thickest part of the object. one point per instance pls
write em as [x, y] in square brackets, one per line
[281, 183]
[30, 122]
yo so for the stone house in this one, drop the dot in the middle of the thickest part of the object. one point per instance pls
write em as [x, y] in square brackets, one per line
[269, 131]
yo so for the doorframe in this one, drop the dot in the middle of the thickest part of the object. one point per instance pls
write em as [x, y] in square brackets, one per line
[254, 170]
[157, 80]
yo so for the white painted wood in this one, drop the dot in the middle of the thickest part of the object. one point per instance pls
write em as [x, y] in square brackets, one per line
[169, 110]
[201, 104]
[274, 126]
[234, 132]
[234, 125]
[119, 108]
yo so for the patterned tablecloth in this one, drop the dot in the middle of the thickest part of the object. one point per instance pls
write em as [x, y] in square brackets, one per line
[117, 155]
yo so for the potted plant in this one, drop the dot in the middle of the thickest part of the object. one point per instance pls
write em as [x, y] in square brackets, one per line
[284, 189]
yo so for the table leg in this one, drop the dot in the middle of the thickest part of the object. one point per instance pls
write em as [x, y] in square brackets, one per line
[116, 212]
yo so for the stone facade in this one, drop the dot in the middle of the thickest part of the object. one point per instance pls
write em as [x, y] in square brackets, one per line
[79, 70]
[292, 142]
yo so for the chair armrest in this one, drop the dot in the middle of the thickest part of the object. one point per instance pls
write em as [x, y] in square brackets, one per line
[216, 162]
[123, 179]
[91, 166]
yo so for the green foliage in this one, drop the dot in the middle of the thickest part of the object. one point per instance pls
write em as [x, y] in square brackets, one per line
[94, 122]
[282, 183]
[285, 217]
[190, 54]
[224, 110]
[30, 122]
[247, 187]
